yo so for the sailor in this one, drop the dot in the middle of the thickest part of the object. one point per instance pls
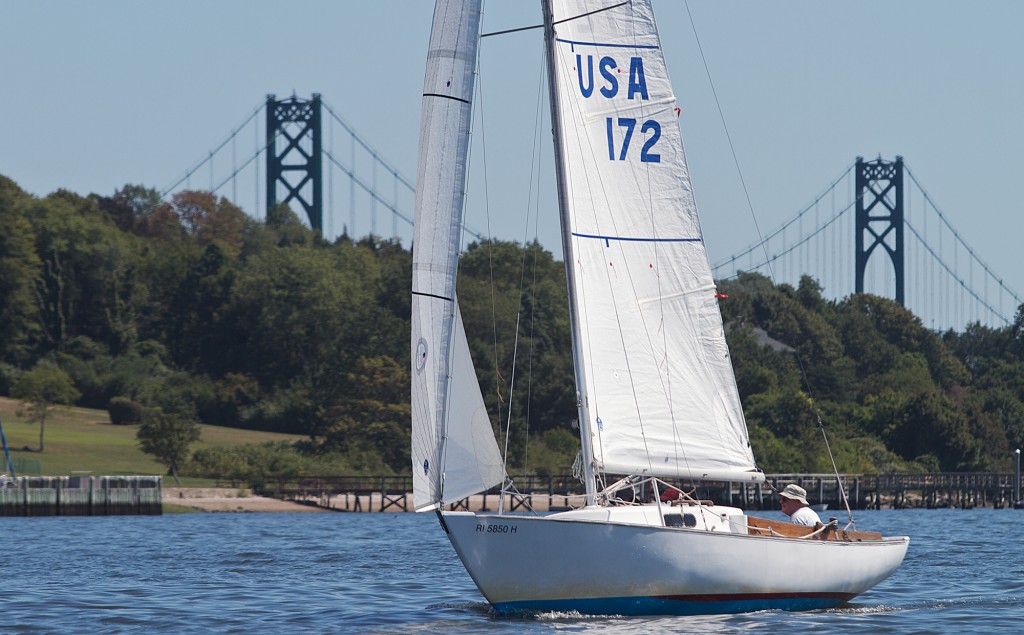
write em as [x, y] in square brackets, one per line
[793, 501]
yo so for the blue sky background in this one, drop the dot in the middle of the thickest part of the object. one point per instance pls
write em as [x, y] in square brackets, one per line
[101, 94]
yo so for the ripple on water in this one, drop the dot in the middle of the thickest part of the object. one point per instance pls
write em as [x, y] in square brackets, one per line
[383, 573]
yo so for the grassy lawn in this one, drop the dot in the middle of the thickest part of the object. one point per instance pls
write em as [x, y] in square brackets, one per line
[81, 439]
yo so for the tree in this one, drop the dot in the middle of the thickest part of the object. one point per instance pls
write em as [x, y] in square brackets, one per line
[288, 228]
[168, 438]
[211, 220]
[19, 265]
[130, 206]
[89, 278]
[299, 319]
[40, 390]
[376, 418]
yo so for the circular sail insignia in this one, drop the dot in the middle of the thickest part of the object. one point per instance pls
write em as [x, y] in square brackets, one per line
[421, 355]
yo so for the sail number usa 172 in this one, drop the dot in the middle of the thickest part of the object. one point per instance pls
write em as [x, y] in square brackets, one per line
[620, 129]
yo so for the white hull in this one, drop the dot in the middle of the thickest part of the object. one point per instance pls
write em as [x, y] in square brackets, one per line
[623, 561]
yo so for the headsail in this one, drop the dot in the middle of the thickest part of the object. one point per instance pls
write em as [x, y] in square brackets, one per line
[454, 453]
[660, 394]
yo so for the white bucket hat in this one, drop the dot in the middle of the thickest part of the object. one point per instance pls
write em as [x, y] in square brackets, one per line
[795, 492]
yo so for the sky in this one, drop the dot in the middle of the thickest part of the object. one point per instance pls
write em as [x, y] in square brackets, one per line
[97, 95]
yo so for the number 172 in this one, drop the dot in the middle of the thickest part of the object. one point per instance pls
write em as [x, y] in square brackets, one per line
[650, 126]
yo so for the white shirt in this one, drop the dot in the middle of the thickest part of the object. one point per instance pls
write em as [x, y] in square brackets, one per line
[805, 516]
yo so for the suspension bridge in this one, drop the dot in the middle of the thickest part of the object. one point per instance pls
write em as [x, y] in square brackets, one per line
[874, 228]
[278, 153]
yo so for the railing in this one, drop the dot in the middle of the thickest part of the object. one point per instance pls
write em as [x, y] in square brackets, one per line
[544, 493]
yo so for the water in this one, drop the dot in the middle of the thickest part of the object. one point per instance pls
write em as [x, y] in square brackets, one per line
[386, 573]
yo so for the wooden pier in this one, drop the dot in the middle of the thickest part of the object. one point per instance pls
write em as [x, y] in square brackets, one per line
[549, 493]
[931, 490]
[81, 496]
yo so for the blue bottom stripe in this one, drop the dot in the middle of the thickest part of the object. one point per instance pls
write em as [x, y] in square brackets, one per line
[680, 605]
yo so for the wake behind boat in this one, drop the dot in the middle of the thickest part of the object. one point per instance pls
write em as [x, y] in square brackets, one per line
[657, 398]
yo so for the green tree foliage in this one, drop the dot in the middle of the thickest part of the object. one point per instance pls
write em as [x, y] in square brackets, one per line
[89, 281]
[273, 462]
[268, 462]
[19, 272]
[287, 228]
[375, 420]
[299, 319]
[41, 390]
[515, 309]
[130, 207]
[892, 394]
[124, 412]
[191, 307]
[193, 322]
[168, 438]
[551, 451]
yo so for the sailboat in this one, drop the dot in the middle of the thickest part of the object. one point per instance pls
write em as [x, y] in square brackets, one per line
[656, 394]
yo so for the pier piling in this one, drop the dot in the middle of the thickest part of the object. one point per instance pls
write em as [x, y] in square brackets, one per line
[81, 496]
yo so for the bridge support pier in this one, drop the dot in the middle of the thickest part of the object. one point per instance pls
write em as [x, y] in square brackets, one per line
[297, 166]
[879, 217]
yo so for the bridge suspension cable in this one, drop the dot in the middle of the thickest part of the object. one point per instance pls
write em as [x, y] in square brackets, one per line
[973, 254]
[209, 156]
[796, 218]
[396, 195]
[949, 288]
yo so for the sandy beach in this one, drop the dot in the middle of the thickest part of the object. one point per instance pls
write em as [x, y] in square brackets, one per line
[226, 499]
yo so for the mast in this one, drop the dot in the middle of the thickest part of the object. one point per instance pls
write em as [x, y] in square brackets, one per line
[583, 413]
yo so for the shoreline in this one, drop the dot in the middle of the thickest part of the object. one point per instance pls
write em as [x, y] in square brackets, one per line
[230, 500]
[241, 500]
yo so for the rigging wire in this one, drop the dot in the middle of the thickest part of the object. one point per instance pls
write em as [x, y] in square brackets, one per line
[532, 192]
[478, 110]
[753, 215]
[541, 26]
[522, 281]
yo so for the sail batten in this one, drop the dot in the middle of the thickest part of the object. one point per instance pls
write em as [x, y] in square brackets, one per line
[642, 239]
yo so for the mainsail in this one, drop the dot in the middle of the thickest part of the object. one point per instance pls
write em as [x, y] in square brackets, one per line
[454, 453]
[659, 396]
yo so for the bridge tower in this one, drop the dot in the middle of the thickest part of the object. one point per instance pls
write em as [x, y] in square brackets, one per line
[297, 165]
[879, 217]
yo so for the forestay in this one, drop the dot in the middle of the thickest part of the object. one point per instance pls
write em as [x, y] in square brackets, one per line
[454, 453]
[661, 396]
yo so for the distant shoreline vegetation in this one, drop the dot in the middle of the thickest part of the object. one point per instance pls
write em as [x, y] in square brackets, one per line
[193, 309]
